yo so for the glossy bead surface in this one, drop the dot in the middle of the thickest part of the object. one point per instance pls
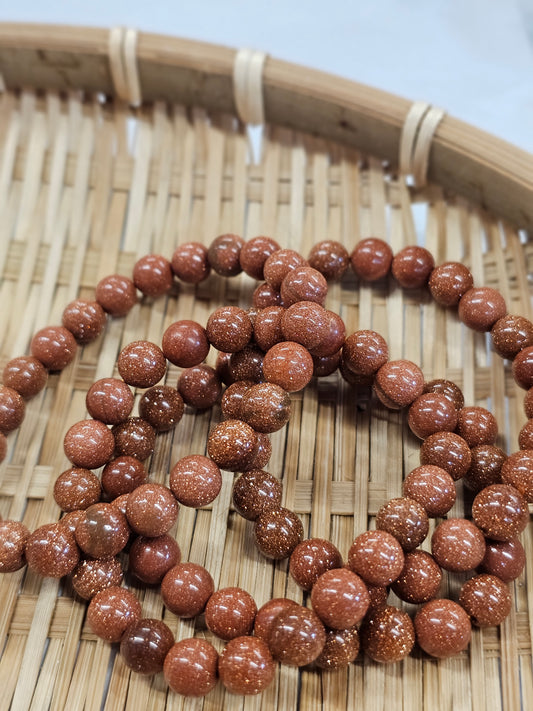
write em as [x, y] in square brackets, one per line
[232, 444]
[266, 615]
[263, 454]
[265, 295]
[76, 489]
[116, 294]
[195, 480]
[303, 284]
[232, 399]
[432, 487]
[431, 413]
[523, 368]
[246, 666]
[528, 403]
[151, 558]
[185, 343]
[162, 407]
[267, 327]
[486, 599]
[311, 558]
[449, 282]
[25, 374]
[517, 471]
[279, 264]
[304, 322]
[189, 262]
[89, 444]
[387, 635]
[54, 346]
[500, 511]
[442, 628]
[340, 649]
[505, 559]
[12, 409]
[412, 266]
[326, 365]
[13, 538]
[134, 437]
[481, 307]
[277, 532]
[330, 258]
[190, 667]
[186, 588]
[102, 531]
[476, 425]
[223, 254]
[447, 388]
[247, 364]
[141, 364]
[448, 451]
[266, 407]
[510, 334]
[84, 319]
[406, 520]
[364, 352]
[229, 329]
[152, 275]
[458, 545]
[371, 259]
[398, 383]
[288, 365]
[122, 475]
[111, 612]
[230, 613]
[525, 436]
[377, 557]
[420, 578]
[51, 551]
[297, 636]
[151, 509]
[334, 339]
[109, 400]
[200, 386]
[255, 490]
[254, 254]
[145, 644]
[92, 575]
[340, 598]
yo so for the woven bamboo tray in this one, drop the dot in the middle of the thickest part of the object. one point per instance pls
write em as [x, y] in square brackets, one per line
[89, 183]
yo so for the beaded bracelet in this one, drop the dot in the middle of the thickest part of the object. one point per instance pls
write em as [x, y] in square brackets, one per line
[266, 353]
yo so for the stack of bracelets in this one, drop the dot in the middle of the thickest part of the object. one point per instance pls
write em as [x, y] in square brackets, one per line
[265, 353]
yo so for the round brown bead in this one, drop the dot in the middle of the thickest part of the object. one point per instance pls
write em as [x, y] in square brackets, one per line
[412, 266]
[121, 503]
[334, 339]
[277, 532]
[266, 615]
[525, 436]
[152, 509]
[254, 254]
[141, 364]
[263, 454]
[76, 489]
[481, 307]
[89, 444]
[523, 368]
[297, 636]
[398, 383]
[517, 471]
[364, 352]
[265, 295]
[288, 365]
[150, 558]
[311, 558]
[340, 649]
[232, 399]
[13, 538]
[122, 475]
[420, 578]
[432, 487]
[485, 467]
[54, 346]
[340, 598]
[510, 334]
[232, 444]
[505, 559]
[304, 322]
[279, 264]
[486, 599]
[145, 644]
[448, 451]
[476, 426]
[152, 275]
[528, 403]
[102, 531]
[162, 407]
[91, 576]
[247, 364]
[223, 254]
[246, 666]
[500, 511]
[71, 519]
[200, 386]
[447, 388]
[109, 400]
[442, 628]
[266, 407]
[190, 264]
[186, 588]
[111, 612]
[449, 282]
[26, 375]
[371, 259]
[229, 329]
[185, 343]
[195, 480]
[303, 284]
[330, 258]
[431, 413]
[267, 327]
[190, 667]
[377, 557]
[458, 545]
[406, 520]
[12, 409]
[116, 294]
[254, 491]
[84, 319]
[387, 635]
[51, 551]
[230, 613]
[326, 365]
[134, 438]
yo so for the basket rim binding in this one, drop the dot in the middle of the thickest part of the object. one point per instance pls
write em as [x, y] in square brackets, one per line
[463, 160]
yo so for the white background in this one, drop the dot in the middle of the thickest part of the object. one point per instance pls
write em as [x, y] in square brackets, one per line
[473, 58]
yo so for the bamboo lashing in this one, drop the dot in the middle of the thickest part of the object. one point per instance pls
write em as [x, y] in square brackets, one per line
[248, 86]
[420, 124]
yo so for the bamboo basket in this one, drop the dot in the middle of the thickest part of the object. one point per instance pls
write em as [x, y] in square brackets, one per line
[89, 182]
